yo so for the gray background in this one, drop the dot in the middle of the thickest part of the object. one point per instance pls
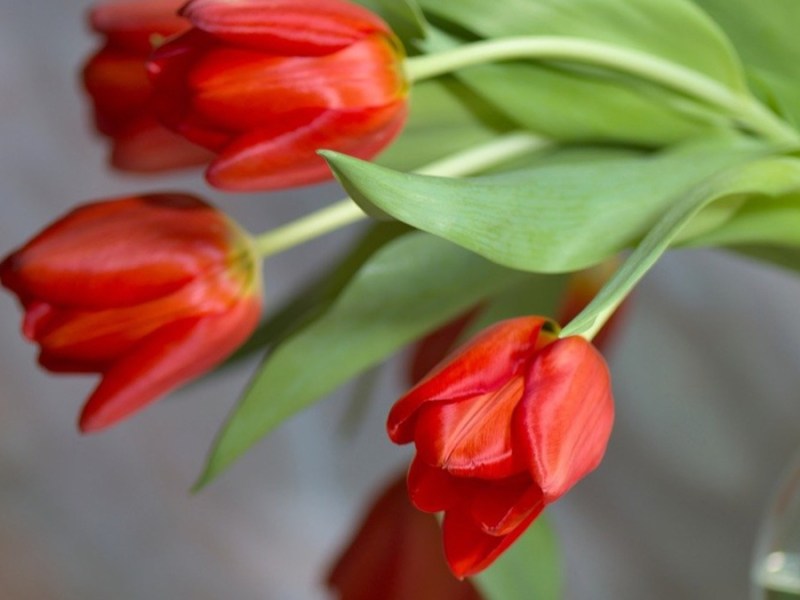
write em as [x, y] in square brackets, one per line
[705, 378]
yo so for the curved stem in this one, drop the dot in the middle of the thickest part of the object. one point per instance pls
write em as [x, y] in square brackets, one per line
[341, 213]
[318, 223]
[741, 107]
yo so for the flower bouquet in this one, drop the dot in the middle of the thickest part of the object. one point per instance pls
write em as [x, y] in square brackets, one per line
[518, 167]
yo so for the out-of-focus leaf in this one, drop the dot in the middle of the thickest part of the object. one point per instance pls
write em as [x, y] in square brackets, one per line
[566, 103]
[759, 220]
[770, 177]
[528, 570]
[779, 256]
[536, 294]
[552, 218]
[446, 116]
[319, 294]
[651, 26]
[403, 291]
[403, 16]
[765, 35]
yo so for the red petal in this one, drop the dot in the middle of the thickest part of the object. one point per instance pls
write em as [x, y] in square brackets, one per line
[396, 552]
[482, 365]
[262, 161]
[288, 27]
[471, 437]
[433, 348]
[103, 335]
[564, 420]
[169, 67]
[132, 24]
[121, 252]
[468, 548]
[118, 85]
[239, 90]
[500, 507]
[165, 360]
[431, 489]
[146, 147]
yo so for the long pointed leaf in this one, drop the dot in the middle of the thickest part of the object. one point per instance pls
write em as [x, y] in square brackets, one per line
[403, 291]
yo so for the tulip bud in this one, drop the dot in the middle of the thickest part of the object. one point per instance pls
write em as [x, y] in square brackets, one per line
[506, 425]
[149, 292]
[115, 78]
[396, 555]
[266, 83]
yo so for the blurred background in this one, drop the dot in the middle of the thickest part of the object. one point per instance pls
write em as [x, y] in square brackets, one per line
[705, 372]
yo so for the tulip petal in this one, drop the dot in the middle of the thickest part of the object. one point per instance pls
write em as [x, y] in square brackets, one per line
[238, 90]
[468, 549]
[396, 555]
[435, 346]
[119, 253]
[131, 24]
[168, 67]
[145, 146]
[164, 360]
[482, 365]
[287, 27]
[431, 489]
[118, 85]
[501, 507]
[564, 420]
[471, 437]
[101, 335]
[260, 160]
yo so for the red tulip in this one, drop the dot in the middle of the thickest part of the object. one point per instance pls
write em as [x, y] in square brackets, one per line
[503, 427]
[115, 78]
[148, 291]
[396, 555]
[266, 83]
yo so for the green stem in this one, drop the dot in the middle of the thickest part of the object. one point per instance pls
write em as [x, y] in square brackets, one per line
[467, 162]
[746, 110]
[309, 227]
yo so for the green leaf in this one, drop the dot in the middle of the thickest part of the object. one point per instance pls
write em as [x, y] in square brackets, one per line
[529, 570]
[403, 16]
[549, 217]
[446, 116]
[778, 256]
[651, 26]
[765, 35]
[406, 289]
[313, 299]
[536, 294]
[567, 103]
[759, 220]
[767, 177]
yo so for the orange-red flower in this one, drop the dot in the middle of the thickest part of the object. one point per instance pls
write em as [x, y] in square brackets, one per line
[396, 555]
[147, 291]
[506, 425]
[115, 78]
[266, 83]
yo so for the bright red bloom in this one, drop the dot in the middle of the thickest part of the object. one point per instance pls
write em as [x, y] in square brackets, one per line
[148, 291]
[115, 78]
[506, 425]
[396, 555]
[267, 83]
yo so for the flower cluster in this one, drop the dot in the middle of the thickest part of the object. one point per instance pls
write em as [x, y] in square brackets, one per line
[152, 291]
[262, 84]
